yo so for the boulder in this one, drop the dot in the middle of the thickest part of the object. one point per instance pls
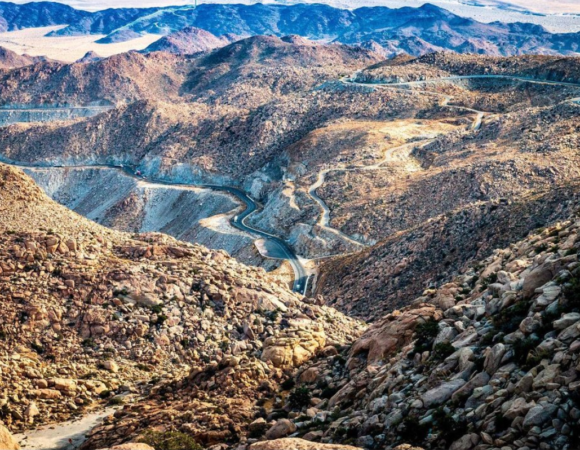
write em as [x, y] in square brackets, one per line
[280, 429]
[7, 442]
[466, 442]
[131, 446]
[441, 393]
[539, 415]
[519, 407]
[298, 444]
[493, 358]
[393, 332]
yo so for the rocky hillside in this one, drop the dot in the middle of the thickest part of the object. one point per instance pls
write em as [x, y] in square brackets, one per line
[472, 193]
[189, 41]
[443, 64]
[119, 79]
[91, 316]
[11, 60]
[489, 360]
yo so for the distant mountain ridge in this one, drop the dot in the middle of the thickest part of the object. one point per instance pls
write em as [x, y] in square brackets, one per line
[190, 40]
[411, 30]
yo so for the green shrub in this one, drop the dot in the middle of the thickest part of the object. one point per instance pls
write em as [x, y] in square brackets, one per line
[288, 384]
[448, 429]
[509, 319]
[522, 349]
[299, 397]
[572, 294]
[412, 431]
[105, 394]
[169, 440]
[443, 350]
[425, 333]
[485, 282]
[117, 401]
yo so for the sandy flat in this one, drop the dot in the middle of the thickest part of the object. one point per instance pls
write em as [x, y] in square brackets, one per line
[63, 436]
[33, 41]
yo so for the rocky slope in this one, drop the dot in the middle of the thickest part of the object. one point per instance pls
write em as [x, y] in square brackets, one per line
[119, 79]
[442, 64]
[189, 41]
[118, 201]
[489, 360]
[12, 60]
[93, 316]
[463, 184]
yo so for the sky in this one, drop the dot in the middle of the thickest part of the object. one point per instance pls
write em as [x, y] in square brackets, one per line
[542, 6]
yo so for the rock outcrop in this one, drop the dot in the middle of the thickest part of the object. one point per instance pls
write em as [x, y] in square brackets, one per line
[489, 360]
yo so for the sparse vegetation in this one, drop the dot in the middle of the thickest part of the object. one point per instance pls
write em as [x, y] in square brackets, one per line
[169, 440]
[299, 397]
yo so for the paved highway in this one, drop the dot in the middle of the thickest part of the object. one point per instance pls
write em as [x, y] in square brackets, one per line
[301, 276]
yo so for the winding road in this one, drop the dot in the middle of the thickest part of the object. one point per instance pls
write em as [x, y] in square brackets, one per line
[275, 243]
[281, 249]
[324, 219]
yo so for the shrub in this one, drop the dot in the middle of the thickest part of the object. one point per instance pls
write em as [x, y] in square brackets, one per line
[328, 392]
[288, 384]
[488, 280]
[443, 350]
[412, 432]
[449, 429]
[425, 333]
[299, 397]
[105, 394]
[572, 294]
[38, 348]
[509, 319]
[160, 320]
[502, 423]
[522, 349]
[117, 401]
[541, 248]
[169, 440]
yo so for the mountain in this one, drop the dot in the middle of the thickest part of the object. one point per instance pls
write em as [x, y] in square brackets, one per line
[412, 30]
[124, 77]
[11, 60]
[90, 57]
[188, 41]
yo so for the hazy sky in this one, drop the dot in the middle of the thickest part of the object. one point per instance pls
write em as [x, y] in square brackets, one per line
[543, 6]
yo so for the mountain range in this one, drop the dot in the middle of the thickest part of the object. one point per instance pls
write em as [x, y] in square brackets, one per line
[411, 30]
